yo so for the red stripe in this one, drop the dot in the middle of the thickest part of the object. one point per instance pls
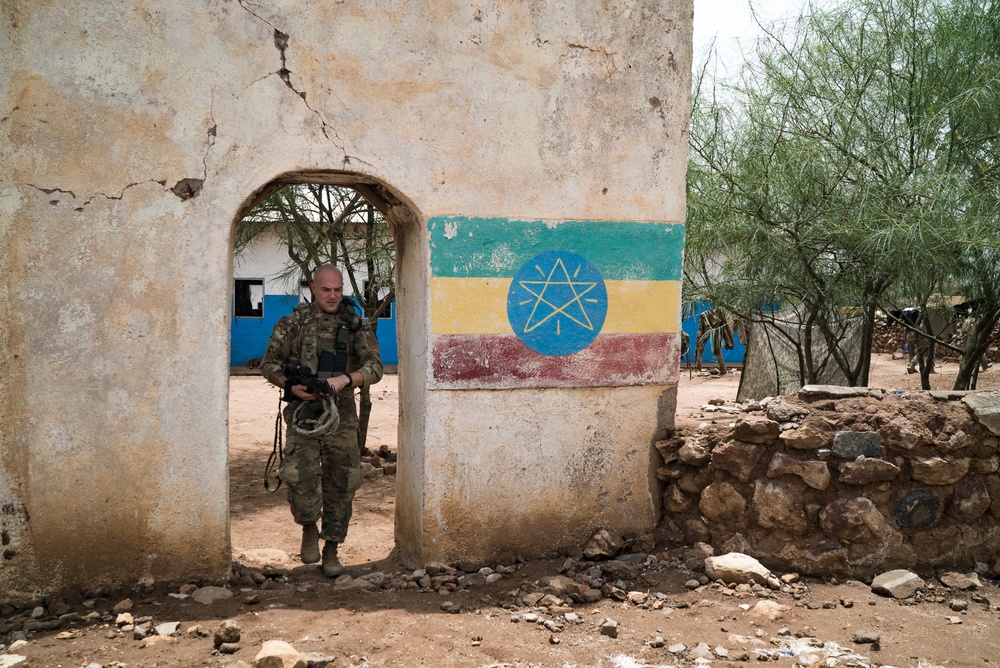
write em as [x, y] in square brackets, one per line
[498, 361]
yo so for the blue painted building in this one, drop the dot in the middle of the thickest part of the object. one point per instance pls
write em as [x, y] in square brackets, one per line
[261, 297]
[690, 327]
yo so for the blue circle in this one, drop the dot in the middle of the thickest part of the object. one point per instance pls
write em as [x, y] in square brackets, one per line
[557, 303]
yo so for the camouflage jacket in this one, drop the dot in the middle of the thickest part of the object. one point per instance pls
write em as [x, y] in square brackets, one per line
[303, 334]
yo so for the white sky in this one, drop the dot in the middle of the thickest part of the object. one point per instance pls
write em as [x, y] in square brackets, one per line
[731, 23]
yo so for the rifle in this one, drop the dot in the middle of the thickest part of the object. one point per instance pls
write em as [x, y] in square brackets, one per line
[300, 374]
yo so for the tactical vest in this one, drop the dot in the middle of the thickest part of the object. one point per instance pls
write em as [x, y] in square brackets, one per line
[318, 332]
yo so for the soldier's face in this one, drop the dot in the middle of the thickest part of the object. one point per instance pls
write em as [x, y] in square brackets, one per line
[328, 289]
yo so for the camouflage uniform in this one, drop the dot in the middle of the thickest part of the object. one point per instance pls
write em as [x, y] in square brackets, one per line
[331, 463]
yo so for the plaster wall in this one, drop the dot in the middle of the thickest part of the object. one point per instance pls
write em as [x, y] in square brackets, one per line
[135, 134]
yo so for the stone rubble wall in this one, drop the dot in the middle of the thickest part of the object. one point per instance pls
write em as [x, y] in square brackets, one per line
[843, 481]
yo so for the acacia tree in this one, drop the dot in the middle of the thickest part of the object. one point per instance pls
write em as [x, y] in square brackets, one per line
[321, 224]
[825, 176]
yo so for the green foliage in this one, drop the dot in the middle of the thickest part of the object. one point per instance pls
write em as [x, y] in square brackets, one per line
[851, 165]
[321, 224]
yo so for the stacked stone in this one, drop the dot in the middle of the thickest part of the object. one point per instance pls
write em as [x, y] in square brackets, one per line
[843, 481]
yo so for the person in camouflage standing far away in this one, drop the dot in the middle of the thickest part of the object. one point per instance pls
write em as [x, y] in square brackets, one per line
[322, 474]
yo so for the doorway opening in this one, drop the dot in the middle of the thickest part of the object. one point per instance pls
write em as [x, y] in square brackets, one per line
[282, 233]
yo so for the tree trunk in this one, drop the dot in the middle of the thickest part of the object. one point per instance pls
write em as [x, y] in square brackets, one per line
[976, 344]
[364, 415]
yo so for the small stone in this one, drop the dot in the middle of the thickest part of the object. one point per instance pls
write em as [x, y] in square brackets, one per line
[656, 642]
[141, 631]
[228, 632]
[638, 597]
[692, 584]
[736, 567]
[603, 545]
[898, 584]
[853, 444]
[187, 589]
[209, 595]
[720, 652]
[847, 603]
[865, 638]
[677, 648]
[962, 581]
[958, 605]
[701, 651]
[229, 648]
[553, 640]
[609, 627]
[167, 628]
[279, 654]
[153, 641]
[953, 620]
[123, 606]
[124, 618]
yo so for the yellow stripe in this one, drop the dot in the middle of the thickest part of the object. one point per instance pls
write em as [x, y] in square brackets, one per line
[479, 306]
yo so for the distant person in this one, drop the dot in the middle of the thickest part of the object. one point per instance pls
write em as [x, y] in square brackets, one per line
[713, 326]
[322, 468]
[915, 344]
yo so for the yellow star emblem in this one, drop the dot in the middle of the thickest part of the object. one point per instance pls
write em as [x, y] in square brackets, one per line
[558, 295]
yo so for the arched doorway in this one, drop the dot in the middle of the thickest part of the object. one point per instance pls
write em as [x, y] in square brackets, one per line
[260, 522]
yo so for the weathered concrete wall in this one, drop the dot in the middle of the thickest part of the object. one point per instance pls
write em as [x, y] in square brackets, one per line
[136, 132]
[844, 481]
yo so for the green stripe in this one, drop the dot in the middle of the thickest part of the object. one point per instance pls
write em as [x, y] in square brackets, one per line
[498, 247]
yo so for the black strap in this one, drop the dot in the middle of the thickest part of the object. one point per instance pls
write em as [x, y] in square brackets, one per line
[277, 453]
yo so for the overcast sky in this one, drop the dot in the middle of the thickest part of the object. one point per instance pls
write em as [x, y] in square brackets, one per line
[731, 23]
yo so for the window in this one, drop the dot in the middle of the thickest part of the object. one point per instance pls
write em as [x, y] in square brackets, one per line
[249, 302]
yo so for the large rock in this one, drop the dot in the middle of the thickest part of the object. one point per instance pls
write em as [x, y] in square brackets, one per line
[854, 520]
[985, 407]
[720, 501]
[962, 581]
[779, 507]
[279, 654]
[903, 434]
[668, 448]
[737, 458]
[918, 509]
[971, 499]
[818, 392]
[865, 471]
[736, 567]
[779, 411]
[854, 444]
[898, 584]
[807, 437]
[694, 453]
[675, 500]
[939, 471]
[813, 473]
[756, 429]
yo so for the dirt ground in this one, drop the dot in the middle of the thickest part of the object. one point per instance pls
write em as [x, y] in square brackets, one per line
[479, 625]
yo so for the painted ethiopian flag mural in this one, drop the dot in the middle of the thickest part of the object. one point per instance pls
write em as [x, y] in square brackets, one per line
[517, 303]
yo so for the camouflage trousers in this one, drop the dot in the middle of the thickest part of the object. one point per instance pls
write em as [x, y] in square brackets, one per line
[322, 474]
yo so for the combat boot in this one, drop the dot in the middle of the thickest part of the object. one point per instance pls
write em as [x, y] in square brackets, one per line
[309, 550]
[331, 564]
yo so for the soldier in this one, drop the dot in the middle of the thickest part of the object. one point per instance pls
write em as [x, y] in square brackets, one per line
[323, 469]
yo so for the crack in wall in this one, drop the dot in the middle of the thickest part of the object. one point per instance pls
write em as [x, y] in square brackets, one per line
[281, 40]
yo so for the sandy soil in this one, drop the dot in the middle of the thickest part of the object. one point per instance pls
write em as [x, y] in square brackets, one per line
[410, 628]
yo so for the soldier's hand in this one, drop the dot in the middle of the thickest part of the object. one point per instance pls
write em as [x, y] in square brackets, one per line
[338, 382]
[303, 393]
